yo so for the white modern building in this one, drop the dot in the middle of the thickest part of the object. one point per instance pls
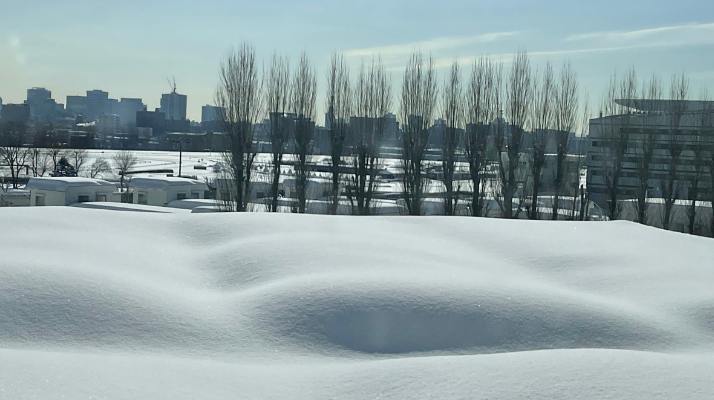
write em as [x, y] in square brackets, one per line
[648, 144]
[682, 215]
[161, 190]
[63, 191]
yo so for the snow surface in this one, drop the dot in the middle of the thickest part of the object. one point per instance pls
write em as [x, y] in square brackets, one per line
[114, 206]
[103, 304]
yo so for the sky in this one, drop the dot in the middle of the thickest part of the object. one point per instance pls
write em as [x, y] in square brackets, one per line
[131, 48]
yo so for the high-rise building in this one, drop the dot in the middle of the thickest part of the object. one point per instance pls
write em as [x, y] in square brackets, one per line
[38, 95]
[210, 113]
[156, 120]
[107, 125]
[15, 113]
[97, 104]
[127, 109]
[92, 106]
[77, 105]
[42, 106]
[173, 105]
[112, 106]
[210, 117]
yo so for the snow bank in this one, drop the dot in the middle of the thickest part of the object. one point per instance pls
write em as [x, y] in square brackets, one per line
[189, 204]
[213, 306]
[114, 206]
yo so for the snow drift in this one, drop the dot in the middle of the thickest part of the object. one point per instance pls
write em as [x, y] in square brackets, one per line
[97, 303]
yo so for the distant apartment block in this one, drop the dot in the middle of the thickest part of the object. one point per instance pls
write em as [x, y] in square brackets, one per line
[210, 118]
[153, 120]
[77, 105]
[107, 125]
[127, 109]
[38, 95]
[15, 113]
[173, 105]
[42, 106]
[97, 104]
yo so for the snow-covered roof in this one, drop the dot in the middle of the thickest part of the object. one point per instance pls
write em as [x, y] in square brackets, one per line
[62, 183]
[163, 182]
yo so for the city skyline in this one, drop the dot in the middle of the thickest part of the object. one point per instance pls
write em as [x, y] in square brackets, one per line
[135, 48]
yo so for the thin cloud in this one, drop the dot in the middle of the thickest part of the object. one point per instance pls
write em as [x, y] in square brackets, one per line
[676, 34]
[436, 44]
[568, 52]
[444, 62]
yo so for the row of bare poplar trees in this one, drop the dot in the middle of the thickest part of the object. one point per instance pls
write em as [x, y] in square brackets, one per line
[474, 111]
[542, 102]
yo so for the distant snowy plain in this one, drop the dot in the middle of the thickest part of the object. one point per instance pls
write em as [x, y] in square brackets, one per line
[102, 304]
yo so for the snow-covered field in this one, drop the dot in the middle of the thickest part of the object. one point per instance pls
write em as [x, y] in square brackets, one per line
[102, 304]
[153, 160]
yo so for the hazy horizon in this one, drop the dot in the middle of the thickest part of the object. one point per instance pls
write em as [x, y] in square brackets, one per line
[131, 50]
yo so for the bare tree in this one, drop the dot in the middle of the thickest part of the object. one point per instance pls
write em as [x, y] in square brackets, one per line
[707, 122]
[372, 98]
[303, 106]
[56, 152]
[99, 167]
[239, 98]
[617, 131]
[710, 163]
[646, 148]
[12, 150]
[480, 113]
[700, 163]
[124, 161]
[278, 96]
[78, 158]
[418, 103]
[670, 184]
[694, 187]
[566, 115]
[579, 191]
[453, 114]
[39, 161]
[543, 113]
[518, 98]
[339, 110]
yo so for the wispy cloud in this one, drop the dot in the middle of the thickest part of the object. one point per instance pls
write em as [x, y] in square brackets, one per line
[431, 45]
[691, 33]
[609, 42]
[443, 62]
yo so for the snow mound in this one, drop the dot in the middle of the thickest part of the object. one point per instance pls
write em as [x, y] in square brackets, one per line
[288, 306]
[106, 205]
[407, 317]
